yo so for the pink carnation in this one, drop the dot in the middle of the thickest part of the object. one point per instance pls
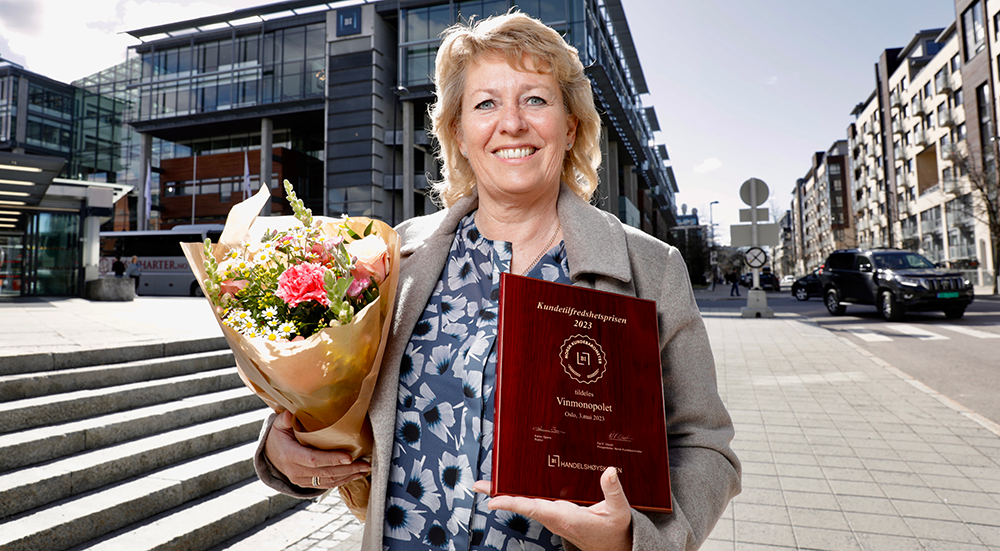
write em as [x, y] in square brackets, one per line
[302, 283]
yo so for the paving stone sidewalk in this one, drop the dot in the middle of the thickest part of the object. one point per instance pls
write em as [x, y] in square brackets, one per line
[842, 451]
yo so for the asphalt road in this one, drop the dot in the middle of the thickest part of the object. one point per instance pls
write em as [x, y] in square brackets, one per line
[958, 358]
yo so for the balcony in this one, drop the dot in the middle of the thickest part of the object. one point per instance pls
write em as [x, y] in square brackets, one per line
[897, 127]
[895, 100]
[898, 152]
[946, 118]
[950, 152]
[951, 186]
[920, 107]
[920, 137]
[943, 83]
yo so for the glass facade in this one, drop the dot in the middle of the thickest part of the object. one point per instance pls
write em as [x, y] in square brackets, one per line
[237, 71]
[52, 254]
[8, 107]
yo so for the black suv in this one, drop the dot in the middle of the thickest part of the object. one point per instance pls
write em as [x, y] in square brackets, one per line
[894, 281]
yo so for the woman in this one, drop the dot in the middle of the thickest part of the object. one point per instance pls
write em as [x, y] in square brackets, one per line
[519, 140]
[134, 271]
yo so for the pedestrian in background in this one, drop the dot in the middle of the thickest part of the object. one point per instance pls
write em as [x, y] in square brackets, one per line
[134, 271]
[118, 267]
[735, 289]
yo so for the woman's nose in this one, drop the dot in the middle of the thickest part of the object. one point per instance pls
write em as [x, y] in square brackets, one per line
[512, 120]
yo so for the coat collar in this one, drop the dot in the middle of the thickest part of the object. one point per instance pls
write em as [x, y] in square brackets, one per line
[595, 240]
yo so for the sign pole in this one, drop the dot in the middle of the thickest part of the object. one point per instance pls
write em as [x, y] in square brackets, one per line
[754, 192]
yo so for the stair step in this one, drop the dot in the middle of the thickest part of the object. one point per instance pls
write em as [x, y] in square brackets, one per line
[29, 385]
[90, 515]
[69, 406]
[201, 524]
[48, 361]
[30, 487]
[51, 442]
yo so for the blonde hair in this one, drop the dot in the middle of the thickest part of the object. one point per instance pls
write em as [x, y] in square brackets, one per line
[511, 36]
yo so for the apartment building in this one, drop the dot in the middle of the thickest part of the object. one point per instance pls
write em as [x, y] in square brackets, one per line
[821, 208]
[930, 111]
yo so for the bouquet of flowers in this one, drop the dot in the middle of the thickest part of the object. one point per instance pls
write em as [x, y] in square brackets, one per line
[304, 303]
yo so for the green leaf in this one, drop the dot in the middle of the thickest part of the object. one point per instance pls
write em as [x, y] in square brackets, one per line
[368, 230]
[352, 233]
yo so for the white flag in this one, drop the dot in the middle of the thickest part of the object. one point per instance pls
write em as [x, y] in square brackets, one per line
[246, 177]
[148, 193]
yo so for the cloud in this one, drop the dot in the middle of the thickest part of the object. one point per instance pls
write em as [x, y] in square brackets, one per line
[23, 15]
[708, 165]
[771, 81]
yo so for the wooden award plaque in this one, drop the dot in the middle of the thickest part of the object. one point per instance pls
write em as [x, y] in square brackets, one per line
[579, 389]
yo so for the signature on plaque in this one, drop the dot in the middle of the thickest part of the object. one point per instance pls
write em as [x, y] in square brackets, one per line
[619, 437]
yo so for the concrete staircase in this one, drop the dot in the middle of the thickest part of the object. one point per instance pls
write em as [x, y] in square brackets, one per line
[134, 448]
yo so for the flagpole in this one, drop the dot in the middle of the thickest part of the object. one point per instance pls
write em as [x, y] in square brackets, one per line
[148, 193]
[194, 187]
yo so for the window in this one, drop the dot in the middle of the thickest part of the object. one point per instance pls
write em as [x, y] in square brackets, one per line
[928, 92]
[942, 114]
[973, 30]
[956, 64]
[960, 132]
[957, 97]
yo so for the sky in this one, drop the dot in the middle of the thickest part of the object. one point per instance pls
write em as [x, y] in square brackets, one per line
[742, 88]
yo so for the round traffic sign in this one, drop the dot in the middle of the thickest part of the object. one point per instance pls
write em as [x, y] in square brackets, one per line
[755, 257]
[762, 192]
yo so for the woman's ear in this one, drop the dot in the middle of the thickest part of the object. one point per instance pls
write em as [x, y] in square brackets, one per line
[572, 122]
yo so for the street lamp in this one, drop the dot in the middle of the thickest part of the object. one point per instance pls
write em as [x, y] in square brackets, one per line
[711, 224]
[711, 246]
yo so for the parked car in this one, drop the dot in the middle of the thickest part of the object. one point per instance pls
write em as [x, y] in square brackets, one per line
[894, 281]
[808, 286]
[787, 280]
[767, 281]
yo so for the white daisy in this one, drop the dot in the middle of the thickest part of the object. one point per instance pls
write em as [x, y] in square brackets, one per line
[455, 476]
[460, 517]
[461, 272]
[441, 359]
[519, 523]
[412, 364]
[440, 417]
[402, 521]
[421, 485]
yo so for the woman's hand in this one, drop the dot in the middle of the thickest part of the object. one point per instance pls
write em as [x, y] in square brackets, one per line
[301, 463]
[604, 526]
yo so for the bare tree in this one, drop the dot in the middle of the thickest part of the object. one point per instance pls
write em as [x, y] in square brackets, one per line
[985, 206]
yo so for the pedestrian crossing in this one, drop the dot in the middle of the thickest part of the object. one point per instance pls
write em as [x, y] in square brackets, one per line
[892, 331]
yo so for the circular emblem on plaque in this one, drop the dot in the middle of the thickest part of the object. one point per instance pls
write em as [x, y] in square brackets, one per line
[583, 359]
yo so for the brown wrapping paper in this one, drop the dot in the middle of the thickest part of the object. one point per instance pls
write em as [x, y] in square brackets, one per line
[326, 380]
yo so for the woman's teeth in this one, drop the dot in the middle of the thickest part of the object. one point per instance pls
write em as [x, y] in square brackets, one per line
[516, 153]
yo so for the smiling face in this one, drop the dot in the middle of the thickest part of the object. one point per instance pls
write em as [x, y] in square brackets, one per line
[514, 129]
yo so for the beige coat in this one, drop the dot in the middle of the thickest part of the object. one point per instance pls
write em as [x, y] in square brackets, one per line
[602, 254]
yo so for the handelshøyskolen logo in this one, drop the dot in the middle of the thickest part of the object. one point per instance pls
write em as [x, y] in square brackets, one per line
[583, 359]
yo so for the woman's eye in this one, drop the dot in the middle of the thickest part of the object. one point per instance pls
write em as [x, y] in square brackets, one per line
[488, 104]
[535, 100]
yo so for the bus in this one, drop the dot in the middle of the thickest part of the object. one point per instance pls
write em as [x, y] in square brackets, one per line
[165, 270]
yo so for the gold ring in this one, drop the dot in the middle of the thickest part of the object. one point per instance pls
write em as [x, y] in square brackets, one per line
[315, 481]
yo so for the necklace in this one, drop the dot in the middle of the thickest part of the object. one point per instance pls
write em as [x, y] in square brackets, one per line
[544, 250]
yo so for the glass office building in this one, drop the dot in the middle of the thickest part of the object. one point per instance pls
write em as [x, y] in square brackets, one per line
[53, 138]
[337, 93]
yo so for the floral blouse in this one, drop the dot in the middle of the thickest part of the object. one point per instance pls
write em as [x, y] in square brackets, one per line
[444, 422]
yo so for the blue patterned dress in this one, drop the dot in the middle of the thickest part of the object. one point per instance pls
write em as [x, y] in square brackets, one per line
[444, 423]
